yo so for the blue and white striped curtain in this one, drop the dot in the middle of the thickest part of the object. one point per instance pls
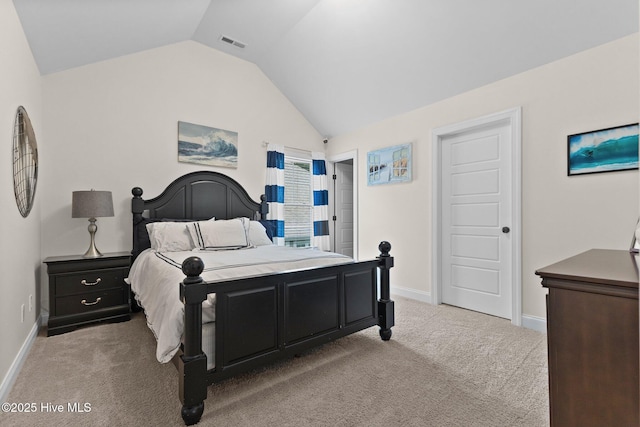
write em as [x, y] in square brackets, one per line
[320, 203]
[274, 191]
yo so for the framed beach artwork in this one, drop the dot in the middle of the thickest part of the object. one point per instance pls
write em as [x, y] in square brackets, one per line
[389, 165]
[205, 145]
[604, 150]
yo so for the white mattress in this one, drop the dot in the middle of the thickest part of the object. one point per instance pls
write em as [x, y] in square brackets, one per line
[155, 278]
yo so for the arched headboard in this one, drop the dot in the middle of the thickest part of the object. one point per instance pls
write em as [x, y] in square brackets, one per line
[195, 196]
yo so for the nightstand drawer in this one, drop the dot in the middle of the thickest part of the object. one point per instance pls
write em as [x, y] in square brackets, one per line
[89, 281]
[89, 301]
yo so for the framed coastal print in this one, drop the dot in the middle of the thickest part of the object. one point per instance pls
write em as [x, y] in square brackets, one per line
[604, 150]
[205, 145]
[389, 165]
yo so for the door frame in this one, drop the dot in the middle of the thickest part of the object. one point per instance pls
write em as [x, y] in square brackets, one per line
[513, 118]
[350, 155]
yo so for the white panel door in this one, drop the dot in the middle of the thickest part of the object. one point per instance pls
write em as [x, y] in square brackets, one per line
[476, 219]
[343, 230]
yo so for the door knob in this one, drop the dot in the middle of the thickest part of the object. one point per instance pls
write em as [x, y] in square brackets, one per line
[505, 230]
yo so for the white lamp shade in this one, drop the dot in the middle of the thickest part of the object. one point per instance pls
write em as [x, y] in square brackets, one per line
[91, 204]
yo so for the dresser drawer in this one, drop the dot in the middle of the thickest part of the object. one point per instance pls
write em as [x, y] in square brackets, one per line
[89, 301]
[89, 281]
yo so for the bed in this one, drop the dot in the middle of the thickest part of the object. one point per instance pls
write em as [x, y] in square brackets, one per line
[236, 314]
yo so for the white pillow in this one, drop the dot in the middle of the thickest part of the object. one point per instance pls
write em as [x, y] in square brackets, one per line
[258, 234]
[169, 236]
[195, 244]
[220, 234]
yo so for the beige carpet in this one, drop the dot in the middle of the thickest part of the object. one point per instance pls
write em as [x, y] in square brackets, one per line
[444, 366]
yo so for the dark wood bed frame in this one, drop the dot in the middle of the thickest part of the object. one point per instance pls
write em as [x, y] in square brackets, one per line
[259, 319]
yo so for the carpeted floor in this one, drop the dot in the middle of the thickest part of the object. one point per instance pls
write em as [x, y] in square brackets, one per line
[444, 366]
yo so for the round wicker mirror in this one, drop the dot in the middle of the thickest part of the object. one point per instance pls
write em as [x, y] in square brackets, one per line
[25, 162]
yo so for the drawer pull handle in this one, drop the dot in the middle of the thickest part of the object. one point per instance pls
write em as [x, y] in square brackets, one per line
[84, 301]
[84, 282]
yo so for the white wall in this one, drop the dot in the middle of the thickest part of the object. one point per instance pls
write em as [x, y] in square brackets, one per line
[562, 215]
[20, 84]
[113, 126]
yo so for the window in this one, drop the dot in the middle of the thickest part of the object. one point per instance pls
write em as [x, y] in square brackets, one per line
[298, 202]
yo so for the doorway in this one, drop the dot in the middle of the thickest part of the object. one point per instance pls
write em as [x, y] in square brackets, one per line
[477, 215]
[343, 209]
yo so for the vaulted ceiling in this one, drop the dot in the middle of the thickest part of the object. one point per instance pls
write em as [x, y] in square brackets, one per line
[343, 63]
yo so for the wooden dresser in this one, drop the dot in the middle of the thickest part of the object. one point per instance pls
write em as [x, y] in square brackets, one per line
[592, 333]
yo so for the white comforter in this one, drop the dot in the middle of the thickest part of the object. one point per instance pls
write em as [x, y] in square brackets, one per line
[155, 279]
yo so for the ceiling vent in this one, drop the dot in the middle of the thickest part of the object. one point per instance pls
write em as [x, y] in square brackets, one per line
[232, 42]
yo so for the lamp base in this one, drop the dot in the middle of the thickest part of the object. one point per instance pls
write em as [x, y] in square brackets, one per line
[92, 252]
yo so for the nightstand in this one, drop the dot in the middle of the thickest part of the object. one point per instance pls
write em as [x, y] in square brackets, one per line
[86, 290]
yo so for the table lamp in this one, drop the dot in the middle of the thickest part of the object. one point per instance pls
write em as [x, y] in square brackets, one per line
[91, 204]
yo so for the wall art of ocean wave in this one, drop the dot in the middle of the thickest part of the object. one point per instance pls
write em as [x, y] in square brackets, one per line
[610, 155]
[218, 153]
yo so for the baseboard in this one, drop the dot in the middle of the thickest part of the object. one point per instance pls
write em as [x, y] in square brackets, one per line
[411, 293]
[533, 322]
[16, 366]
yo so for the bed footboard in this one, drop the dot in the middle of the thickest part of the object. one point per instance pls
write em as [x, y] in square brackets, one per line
[262, 319]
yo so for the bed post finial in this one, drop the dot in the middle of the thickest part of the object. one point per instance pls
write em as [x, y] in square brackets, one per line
[193, 362]
[385, 304]
[384, 247]
[192, 267]
[264, 207]
[137, 203]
